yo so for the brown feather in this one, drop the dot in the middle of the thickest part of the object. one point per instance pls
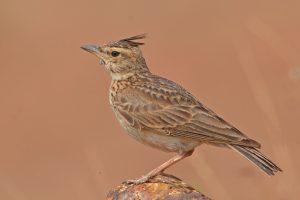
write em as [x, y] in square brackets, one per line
[257, 158]
[128, 42]
[188, 118]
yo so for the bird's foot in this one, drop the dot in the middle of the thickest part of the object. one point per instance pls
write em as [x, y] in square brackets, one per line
[137, 181]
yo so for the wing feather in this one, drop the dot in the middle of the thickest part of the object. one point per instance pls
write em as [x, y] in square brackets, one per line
[178, 115]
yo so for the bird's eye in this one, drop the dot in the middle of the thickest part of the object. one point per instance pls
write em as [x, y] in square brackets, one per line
[115, 53]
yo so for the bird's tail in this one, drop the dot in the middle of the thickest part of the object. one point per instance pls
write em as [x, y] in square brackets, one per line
[257, 158]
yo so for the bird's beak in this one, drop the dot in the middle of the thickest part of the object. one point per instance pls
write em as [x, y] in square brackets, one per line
[94, 49]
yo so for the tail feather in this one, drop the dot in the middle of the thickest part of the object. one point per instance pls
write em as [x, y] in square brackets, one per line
[256, 157]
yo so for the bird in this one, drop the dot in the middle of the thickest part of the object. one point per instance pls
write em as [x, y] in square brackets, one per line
[162, 114]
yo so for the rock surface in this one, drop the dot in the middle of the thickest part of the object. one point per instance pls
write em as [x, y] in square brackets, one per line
[163, 186]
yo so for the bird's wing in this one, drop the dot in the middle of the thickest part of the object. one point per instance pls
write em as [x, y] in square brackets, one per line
[175, 112]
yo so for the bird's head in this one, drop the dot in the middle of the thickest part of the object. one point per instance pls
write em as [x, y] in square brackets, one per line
[122, 58]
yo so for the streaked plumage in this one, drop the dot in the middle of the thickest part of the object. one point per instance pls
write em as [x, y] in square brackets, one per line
[162, 114]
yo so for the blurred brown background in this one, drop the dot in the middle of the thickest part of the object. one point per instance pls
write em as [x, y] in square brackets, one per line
[59, 138]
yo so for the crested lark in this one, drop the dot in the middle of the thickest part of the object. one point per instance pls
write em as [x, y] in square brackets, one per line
[162, 114]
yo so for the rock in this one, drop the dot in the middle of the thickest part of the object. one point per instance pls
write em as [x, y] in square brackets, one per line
[161, 187]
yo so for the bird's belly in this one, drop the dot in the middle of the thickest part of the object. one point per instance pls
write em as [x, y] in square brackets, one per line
[154, 138]
[165, 143]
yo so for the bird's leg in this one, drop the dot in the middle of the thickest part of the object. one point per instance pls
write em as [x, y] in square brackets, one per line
[161, 168]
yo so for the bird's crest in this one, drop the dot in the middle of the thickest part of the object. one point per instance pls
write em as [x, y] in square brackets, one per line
[128, 42]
